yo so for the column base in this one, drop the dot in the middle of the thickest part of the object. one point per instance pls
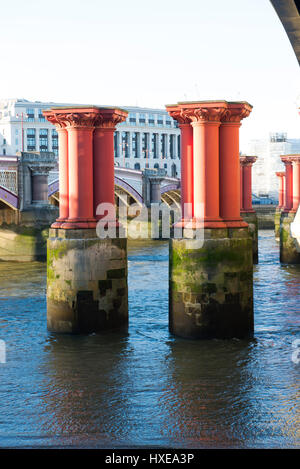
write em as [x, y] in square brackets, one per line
[251, 219]
[211, 287]
[86, 282]
[288, 245]
[78, 223]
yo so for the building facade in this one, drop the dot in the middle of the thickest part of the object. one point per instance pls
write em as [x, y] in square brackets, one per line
[149, 138]
[268, 152]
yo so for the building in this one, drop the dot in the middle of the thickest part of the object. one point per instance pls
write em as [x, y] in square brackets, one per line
[148, 138]
[268, 151]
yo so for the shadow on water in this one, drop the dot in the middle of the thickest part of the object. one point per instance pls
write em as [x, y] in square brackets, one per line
[147, 388]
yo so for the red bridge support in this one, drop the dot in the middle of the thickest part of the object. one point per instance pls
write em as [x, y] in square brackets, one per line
[210, 280]
[87, 276]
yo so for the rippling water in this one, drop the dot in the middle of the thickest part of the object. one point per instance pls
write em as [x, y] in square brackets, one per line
[147, 387]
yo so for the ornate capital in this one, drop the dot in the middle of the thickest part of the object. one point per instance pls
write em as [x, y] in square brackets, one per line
[280, 174]
[109, 118]
[203, 112]
[177, 114]
[247, 160]
[85, 117]
[236, 112]
[286, 159]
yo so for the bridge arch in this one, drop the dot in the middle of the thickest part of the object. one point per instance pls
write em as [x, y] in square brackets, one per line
[53, 191]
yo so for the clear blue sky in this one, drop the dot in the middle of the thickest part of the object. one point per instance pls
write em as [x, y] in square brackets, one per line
[150, 53]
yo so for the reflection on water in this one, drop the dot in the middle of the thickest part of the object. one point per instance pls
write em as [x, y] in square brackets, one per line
[147, 387]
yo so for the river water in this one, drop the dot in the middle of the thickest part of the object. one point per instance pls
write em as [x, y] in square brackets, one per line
[147, 388]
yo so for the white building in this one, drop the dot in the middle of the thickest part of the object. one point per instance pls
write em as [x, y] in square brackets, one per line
[268, 151]
[148, 137]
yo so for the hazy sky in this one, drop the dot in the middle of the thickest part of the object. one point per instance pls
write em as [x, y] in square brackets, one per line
[151, 53]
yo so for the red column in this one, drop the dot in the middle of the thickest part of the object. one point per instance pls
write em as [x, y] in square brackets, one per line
[280, 176]
[288, 183]
[205, 117]
[103, 156]
[296, 182]
[80, 144]
[241, 186]
[63, 167]
[186, 149]
[246, 165]
[230, 165]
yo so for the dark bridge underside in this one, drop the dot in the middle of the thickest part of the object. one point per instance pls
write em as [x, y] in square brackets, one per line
[289, 14]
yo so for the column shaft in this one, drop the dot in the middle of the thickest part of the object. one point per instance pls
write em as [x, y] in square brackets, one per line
[63, 175]
[80, 146]
[247, 188]
[103, 159]
[187, 183]
[288, 186]
[230, 174]
[296, 185]
[206, 172]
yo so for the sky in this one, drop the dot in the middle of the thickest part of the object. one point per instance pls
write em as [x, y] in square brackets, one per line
[152, 53]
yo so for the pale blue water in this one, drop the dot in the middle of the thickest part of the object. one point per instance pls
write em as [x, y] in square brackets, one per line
[148, 388]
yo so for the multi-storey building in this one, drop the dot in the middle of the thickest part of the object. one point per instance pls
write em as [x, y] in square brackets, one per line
[148, 138]
[268, 151]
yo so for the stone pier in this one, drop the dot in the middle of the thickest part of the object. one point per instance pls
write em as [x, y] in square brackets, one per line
[211, 280]
[248, 214]
[289, 250]
[86, 275]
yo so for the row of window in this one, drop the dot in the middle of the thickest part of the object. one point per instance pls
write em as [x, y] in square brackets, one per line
[144, 146]
[155, 166]
[30, 115]
[150, 119]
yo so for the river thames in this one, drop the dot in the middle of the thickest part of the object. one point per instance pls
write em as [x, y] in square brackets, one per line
[148, 388]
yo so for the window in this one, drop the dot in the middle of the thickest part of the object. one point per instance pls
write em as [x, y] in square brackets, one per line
[145, 144]
[171, 145]
[156, 166]
[174, 172]
[135, 145]
[44, 133]
[4, 151]
[160, 121]
[168, 123]
[137, 166]
[16, 141]
[178, 146]
[41, 117]
[30, 115]
[142, 119]
[154, 145]
[163, 145]
[125, 144]
[151, 119]
[31, 145]
[16, 131]
[4, 141]
[132, 119]
[116, 153]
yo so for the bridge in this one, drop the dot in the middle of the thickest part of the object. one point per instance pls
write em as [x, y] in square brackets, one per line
[135, 186]
[18, 176]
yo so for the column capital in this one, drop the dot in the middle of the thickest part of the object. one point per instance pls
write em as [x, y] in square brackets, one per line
[286, 159]
[280, 174]
[236, 111]
[247, 160]
[178, 114]
[85, 117]
[203, 111]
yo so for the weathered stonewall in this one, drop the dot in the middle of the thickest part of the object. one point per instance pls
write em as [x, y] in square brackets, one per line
[251, 219]
[211, 287]
[86, 282]
[277, 218]
[288, 245]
